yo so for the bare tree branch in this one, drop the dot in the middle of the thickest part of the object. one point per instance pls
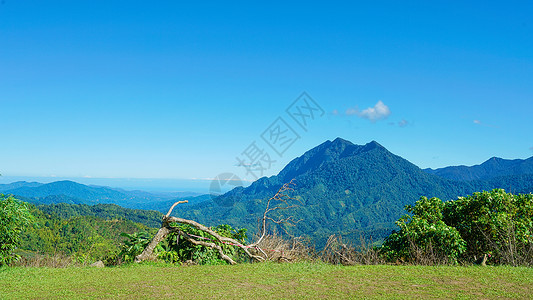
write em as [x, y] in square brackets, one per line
[159, 237]
[174, 205]
[210, 245]
[166, 229]
[280, 201]
[282, 198]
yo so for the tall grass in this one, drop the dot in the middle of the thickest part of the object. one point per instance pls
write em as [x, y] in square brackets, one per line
[279, 249]
[337, 251]
[57, 260]
[276, 248]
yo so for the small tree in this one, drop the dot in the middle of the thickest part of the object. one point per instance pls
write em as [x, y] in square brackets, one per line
[423, 237]
[14, 216]
[494, 222]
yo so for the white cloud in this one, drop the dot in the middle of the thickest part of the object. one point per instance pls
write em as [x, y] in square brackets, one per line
[380, 111]
[335, 112]
[477, 122]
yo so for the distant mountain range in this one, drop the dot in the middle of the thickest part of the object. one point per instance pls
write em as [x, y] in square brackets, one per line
[353, 190]
[492, 168]
[75, 193]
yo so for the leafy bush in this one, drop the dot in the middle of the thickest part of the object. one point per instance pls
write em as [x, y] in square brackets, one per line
[495, 223]
[177, 249]
[134, 245]
[14, 216]
[423, 236]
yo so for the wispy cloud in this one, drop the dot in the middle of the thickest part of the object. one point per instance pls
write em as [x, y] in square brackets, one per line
[379, 111]
[352, 111]
[404, 123]
[478, 122]
[531, 148]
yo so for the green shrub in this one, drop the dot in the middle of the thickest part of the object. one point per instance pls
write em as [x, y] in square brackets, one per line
[14, 216]
[134, 245]
[496, 223]
[178, 249]
[423, 236]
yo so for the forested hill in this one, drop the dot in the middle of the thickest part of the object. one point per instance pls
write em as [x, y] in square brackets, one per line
[344, 188]
[149, 218]
[492, 168]
[85, 232]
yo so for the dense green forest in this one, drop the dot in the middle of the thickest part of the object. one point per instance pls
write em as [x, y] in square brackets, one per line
[85, 232]
[104, 211]
[496, 226]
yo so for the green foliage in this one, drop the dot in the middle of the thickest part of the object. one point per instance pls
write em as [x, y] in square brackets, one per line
[135, 244]
[424, 231]
[495, 222]
[14, 216]
[178, 249]
[86, 238]
[104, 211]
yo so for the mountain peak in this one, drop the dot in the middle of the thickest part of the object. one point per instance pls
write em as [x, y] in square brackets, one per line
[373, 145]
[325, 153]
[340, 140]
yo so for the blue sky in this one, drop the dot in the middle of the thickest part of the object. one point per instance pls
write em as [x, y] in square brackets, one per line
[133, 89]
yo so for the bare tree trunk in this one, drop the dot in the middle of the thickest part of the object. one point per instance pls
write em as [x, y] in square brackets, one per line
[210, 245]
[149, 250]
[166, 229]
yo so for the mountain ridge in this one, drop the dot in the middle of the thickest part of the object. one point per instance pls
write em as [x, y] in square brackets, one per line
[67, 191]
[348, 189]
[491, 168]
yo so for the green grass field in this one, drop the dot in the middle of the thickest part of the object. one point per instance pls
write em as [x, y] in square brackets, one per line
[267, 280]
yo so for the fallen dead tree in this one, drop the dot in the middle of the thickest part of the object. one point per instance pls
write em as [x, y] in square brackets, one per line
[279, 201]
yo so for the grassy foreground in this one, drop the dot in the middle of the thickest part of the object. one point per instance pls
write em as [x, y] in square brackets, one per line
[254, 281]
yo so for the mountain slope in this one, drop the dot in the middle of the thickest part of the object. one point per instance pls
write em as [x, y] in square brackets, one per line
[344, 188]
[492, 168]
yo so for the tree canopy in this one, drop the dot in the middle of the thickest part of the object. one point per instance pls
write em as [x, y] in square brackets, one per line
[14, 216]
[495, 223]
